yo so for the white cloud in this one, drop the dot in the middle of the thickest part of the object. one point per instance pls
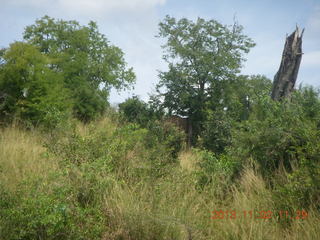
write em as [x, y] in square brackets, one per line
[110, 4]
[86, 7]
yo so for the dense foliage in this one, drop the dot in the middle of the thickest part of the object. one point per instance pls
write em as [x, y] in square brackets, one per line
[135, 110]
[201, 57]
[30, 90]
[77, 59]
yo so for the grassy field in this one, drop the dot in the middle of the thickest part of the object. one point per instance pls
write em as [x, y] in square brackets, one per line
[103, 181]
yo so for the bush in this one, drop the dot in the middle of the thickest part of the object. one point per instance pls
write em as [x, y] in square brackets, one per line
[135, 110]
[284, 142]
[36, 213]
[216, 135]
[301, 188]
[128, 150]
[215, 171]
[166, 134]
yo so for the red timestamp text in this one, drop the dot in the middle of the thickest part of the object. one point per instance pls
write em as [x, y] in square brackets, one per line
[263, 214]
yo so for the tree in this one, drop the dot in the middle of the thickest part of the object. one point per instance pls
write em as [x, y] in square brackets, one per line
[90, 65]
[30, 89]
[201, 56]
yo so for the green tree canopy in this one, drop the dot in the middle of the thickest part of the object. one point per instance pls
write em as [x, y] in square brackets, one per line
[90, 65]
[201, 55]
[29, 89]
[135, 110]
[239, 99]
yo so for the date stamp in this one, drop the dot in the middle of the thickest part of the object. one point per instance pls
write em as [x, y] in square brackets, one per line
[253, 214]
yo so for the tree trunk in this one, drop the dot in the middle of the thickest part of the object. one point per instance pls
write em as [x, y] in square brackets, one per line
[286, 76]
[189, 133]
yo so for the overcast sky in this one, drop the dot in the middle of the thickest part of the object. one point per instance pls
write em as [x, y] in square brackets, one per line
[133, 24]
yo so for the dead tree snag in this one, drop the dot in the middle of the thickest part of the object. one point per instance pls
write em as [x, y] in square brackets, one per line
[286, 76]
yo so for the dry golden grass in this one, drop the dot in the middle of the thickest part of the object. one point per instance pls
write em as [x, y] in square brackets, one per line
[188, 160]
[105, 125]
[21, 156]
[171, 208]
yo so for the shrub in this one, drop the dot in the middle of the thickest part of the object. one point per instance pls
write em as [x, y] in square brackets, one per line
[284, 142]
[135, 110]
[216, 135]
[166, 134]
[39, 211]
[215, 171]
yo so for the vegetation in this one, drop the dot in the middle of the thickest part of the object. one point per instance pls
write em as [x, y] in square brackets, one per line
[202, 56]
[253, 171]
[77, 59]
[32, 91]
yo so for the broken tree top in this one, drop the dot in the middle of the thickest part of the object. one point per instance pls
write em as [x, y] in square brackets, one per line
[286, 77]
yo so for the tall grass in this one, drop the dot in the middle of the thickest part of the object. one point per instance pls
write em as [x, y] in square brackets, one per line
[22, 156]
[115, 194]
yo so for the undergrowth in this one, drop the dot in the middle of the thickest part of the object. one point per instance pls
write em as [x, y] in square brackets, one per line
[107, 180]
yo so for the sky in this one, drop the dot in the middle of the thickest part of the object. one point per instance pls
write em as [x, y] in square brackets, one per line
[133, 24]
